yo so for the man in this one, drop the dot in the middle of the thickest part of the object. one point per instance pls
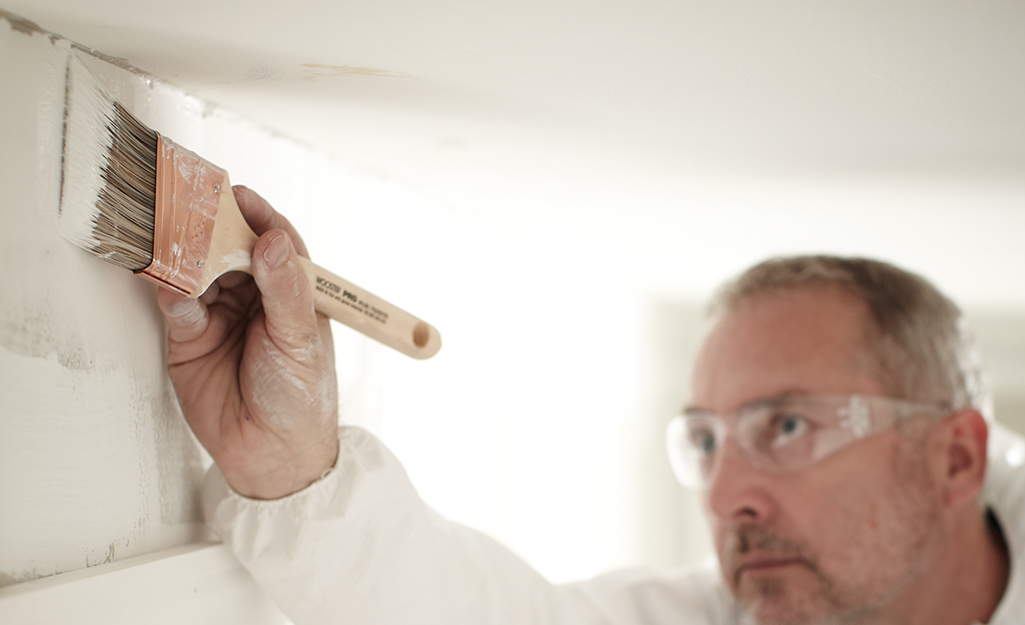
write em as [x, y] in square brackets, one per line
[835, 426]
[879, 529]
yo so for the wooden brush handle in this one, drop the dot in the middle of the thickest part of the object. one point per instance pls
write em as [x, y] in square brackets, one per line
[363, 311]
[230, 247]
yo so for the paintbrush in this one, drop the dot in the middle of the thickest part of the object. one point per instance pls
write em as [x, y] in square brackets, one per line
[138, 200]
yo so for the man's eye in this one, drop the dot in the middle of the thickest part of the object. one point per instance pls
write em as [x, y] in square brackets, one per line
[703, 441]
[787, 427]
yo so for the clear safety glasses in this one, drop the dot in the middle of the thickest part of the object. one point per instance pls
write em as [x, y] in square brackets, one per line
[785, 433]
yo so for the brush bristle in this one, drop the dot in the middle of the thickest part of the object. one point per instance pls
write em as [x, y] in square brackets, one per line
[108, 189]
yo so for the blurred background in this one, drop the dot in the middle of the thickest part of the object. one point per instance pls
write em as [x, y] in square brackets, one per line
[558, 186]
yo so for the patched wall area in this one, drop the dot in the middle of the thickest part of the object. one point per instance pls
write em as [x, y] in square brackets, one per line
[96, 463]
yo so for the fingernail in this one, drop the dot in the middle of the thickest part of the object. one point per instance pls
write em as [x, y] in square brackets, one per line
[276, 251]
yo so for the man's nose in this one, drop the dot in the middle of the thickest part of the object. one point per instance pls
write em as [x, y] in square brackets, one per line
[737, 491]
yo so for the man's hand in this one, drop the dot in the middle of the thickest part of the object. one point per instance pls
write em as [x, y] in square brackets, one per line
[253, 365]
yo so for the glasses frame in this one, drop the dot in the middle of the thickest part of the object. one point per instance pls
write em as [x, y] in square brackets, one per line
[858, 416]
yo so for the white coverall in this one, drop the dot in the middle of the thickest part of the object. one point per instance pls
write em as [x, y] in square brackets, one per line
[360, 546]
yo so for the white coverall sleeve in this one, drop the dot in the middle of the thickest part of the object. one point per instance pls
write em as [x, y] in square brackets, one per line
[360, 546]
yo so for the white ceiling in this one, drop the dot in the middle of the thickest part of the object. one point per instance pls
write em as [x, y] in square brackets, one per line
[529, 108]
[876, 84]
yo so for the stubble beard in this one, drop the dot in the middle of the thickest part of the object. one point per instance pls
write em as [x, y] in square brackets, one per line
[771, 599]
[881, 565]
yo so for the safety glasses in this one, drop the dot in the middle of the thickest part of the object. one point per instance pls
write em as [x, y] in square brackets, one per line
[785, 433]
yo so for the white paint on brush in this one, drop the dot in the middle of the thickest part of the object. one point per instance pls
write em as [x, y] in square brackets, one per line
[87, 141]
[237, 258]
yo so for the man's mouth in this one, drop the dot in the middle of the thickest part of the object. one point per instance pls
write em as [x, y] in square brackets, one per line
[765, 565]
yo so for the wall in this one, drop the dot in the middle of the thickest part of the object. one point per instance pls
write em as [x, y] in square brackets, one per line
[95, 462]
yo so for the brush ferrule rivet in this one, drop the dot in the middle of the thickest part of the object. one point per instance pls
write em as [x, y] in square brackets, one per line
[200, 263]
[217, 188]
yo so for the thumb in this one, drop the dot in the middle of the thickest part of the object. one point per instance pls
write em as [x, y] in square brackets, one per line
[287, 297]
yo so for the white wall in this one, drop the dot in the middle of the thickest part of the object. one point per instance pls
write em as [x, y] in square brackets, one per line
[95, 463]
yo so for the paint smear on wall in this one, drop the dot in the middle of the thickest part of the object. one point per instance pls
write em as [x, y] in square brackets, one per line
[313, 71]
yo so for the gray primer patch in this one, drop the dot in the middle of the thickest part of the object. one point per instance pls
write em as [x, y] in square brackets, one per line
[7, 579]
[34, 327]
[21, 24]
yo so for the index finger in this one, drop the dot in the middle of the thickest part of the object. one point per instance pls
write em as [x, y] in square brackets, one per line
[187, 318]
[261, 216]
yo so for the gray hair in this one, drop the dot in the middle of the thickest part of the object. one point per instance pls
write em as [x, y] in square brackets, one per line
[920, 340]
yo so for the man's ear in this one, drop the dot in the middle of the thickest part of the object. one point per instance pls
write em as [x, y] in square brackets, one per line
[959, 456]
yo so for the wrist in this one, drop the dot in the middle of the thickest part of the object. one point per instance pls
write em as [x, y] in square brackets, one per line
[281, 479]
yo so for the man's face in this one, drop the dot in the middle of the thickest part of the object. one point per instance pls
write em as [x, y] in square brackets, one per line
[839, 540]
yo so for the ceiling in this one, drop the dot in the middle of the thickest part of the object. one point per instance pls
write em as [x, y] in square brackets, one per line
[523, 108]
[935, 85]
